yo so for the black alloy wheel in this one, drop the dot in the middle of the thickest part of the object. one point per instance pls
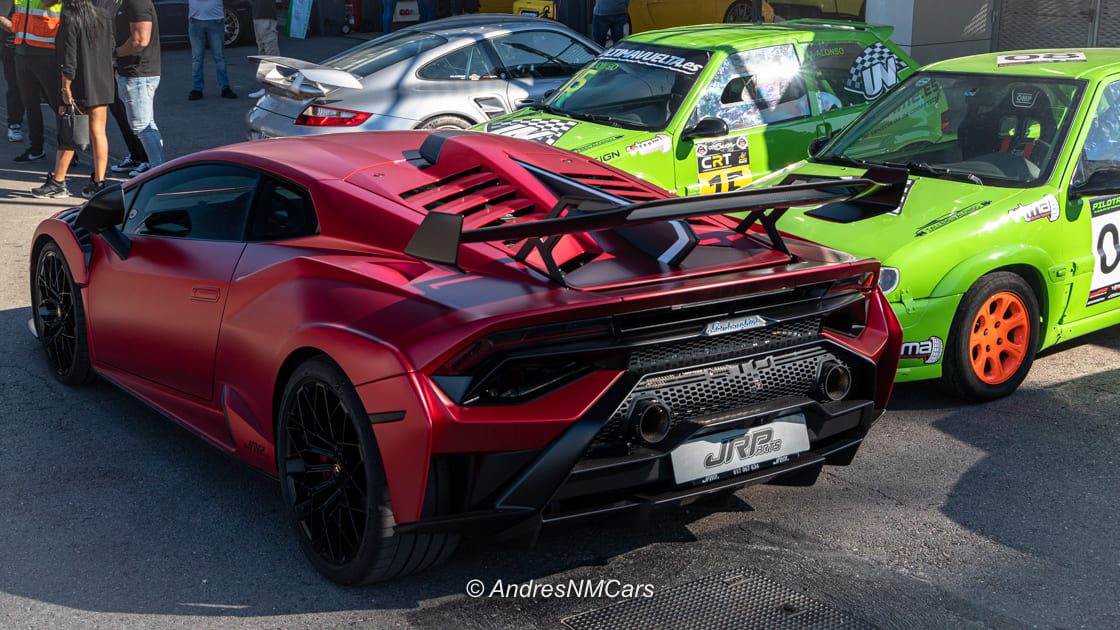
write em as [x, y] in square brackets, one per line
[59, 318]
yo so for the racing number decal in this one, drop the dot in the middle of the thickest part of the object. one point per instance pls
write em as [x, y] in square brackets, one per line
[1106, 249]
[723, 165]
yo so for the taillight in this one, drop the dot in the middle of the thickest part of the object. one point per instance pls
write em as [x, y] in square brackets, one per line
[320, 116]
[533, 339]
[851, 318]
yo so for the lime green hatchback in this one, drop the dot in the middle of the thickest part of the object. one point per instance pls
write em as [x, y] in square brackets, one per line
[1007, 240]
[707, 109]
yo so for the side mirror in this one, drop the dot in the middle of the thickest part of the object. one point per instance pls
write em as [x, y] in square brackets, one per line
[818, 144]
[707, 128]
[104, 214]
[1100, 183]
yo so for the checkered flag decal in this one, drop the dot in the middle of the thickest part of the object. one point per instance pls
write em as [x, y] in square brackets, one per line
[543, 130]
[874, 71]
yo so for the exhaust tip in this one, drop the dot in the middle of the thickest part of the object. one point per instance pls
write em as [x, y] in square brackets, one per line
[650, 420]
[834, 382]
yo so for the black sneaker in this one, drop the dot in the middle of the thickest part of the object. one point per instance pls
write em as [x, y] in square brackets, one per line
[28, 156]
[128, 164]
[51, 189]
[194, 95]
[92, 188]
[228, 93]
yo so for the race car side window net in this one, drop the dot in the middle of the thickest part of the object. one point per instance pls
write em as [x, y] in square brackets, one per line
[440, 235]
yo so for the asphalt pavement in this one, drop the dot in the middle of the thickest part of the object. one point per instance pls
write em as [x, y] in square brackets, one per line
[1000, 515]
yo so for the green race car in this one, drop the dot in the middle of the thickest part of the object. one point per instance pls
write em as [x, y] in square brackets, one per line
[1008, 238]
[706, 109]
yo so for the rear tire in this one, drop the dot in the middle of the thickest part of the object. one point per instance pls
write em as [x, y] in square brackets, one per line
[446, 122]
[234, 29]
[993, 340]
[740, 12]
[333, 483]
[60, 318]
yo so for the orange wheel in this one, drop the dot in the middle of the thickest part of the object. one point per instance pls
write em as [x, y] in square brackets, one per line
[1000, 339]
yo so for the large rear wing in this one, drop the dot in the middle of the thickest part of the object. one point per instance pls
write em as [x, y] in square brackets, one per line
[440, 235]
[302, 78]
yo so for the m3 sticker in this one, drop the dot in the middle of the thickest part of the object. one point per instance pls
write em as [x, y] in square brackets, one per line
[1106, 249]
[874, 72]
[656, 144]
[543, 130]
[1045, 57]
[1045, 208]
[723, 165]
[951, 218]
[929, 351]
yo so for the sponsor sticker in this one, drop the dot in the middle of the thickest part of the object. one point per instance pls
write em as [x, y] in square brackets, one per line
[929, 351]
[750, 322]
[874, 71]
[1045, 208]
[723, 165]
[656, 144]
[584, 148]
[951, 218]
[677, 60]
[1106, 249]
[1045, 57]
[1025, 98]
[543, 130]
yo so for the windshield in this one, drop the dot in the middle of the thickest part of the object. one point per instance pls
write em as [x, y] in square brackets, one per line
[380, 53]
[632, 85]
[1002, 130]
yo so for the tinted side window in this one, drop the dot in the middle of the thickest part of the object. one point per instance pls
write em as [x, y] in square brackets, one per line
[282, 212]
[830, 66]
[207, 202]
[470, 63]
[756, 87]
[541, 54]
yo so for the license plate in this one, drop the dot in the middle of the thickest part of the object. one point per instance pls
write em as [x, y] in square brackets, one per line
[740, 451]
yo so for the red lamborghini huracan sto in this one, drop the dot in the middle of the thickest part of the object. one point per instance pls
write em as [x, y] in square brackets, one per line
[426, 336]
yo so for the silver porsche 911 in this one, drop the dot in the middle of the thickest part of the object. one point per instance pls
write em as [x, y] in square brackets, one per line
[447, 74]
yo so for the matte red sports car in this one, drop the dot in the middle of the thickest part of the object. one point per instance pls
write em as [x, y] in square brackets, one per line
[429, 336]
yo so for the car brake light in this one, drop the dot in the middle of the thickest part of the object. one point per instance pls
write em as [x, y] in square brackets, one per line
[319, 116]
[475, 355]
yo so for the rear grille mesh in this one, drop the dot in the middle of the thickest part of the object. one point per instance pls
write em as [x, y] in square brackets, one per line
[716, 390]
[700, 350]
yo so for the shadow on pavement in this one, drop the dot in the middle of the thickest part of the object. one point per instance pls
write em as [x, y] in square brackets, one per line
[110, 507]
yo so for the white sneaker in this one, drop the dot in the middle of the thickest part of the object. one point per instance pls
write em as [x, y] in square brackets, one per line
[139, 169]
[259, 93]
[15, 133]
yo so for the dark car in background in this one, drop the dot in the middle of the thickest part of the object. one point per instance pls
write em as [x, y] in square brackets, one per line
[173, 21]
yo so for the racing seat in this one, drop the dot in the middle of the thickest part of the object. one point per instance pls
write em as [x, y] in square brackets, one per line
[1016, 126]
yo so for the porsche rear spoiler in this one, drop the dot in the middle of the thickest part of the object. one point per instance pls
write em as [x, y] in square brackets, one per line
[440, 235]
[302, 78]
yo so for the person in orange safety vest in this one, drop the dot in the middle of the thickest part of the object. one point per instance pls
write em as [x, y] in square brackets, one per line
[34, 24]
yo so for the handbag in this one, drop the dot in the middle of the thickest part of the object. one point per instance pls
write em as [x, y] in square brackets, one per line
[73, 129]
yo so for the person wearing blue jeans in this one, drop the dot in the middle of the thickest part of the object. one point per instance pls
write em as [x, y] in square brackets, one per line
[207, 29]
[138, 68]
[609, 18]
[429, 10]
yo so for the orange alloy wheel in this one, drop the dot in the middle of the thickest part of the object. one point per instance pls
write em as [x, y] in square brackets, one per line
[1000, 337]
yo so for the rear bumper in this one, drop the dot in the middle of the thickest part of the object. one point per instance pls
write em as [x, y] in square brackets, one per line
[560, 484]
[262, 123]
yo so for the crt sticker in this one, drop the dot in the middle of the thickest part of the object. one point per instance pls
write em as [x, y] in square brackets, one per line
[723, 165]
[1106, 249]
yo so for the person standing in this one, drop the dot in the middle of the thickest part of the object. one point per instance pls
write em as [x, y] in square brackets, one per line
[138, 72]
[13, 101]
[388, 15]
[207, 29]
[34, 25]
[85, 58]
[264, 28]
[609, 20]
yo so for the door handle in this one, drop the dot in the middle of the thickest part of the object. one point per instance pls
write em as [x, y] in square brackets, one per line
[206, 294]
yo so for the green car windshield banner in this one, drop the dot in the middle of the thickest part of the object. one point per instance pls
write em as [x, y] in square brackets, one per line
[687, 62]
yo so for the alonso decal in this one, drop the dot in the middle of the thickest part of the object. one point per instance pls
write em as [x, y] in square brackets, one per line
[874, 72]
[1045, 208]
[928, 351]
[543, 130]
[1106, 249]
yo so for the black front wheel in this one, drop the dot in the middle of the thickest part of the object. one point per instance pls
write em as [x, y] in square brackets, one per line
[333, 483]
[60, 320]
